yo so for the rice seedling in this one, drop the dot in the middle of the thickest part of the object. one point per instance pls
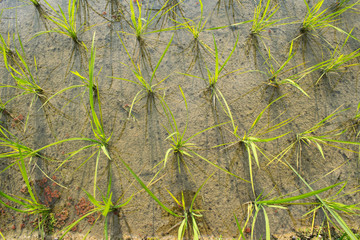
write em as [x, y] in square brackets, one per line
[149, 89]
[274, 73]
[263, 18]
[102, 208]
[181, 148]
[339, 62]
[195, 28]
[283, 201]
[214, 77]
[101, 139]
[316, 20]
[65, 25]
[141, 26]
[10, 141]
[25, 80]
[310, 137]
[189, 214]
[331, 208]
[29, 206]
[252, 137]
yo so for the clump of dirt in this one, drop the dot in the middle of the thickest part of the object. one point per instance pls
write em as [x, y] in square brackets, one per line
[83, 207]
[61, 218]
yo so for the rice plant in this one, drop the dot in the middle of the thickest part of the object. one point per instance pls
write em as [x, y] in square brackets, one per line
[141, 26]
[328, 204]
[316, 19]
[195, 28]
[30, 206]
[339, 62]
[331, 207]
[101, 139]
[312, 138]
[252, 137]
[103, 208]
[181, 149]
[148, 89]
[65, 25]
[214, 76]
[25, 80]
[275, 71]
[263, 18]
[189, 214]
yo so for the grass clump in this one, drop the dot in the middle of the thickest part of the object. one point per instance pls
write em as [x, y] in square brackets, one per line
[100, 140]
[214, 76]
[274, 73]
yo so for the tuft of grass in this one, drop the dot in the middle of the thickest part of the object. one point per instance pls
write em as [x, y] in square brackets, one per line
[100, 140]
[310, 137]
[214, 76]
[141, 24]
[282, 202]
[263, 18]
[331, 208]
[195, 28]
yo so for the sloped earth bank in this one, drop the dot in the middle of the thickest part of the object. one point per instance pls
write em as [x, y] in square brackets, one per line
[141, 139]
